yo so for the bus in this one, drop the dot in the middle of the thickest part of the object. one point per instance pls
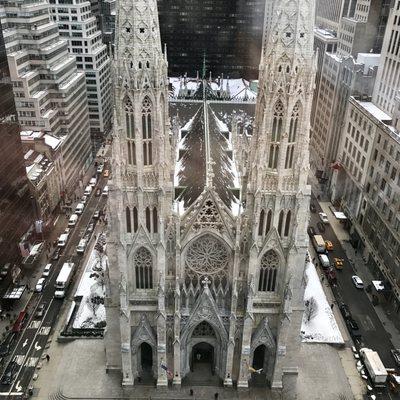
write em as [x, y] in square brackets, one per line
[63, 280]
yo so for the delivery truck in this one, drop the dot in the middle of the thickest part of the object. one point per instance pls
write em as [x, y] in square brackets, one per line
[319, 244]
[374, 366]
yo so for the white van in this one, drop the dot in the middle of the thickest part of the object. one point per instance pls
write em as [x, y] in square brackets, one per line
[105, 191]
[73, 220]
[93, 182]
[324, 260]
[80, 249]
[88, 190]
[79, 208]
[62, 240]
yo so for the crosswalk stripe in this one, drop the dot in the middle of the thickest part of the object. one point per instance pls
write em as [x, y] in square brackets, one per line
[19, 359]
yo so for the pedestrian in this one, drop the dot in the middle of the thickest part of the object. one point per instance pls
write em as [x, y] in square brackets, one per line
[191, 392]
[47, 358]
[332, 306]
[216, 395]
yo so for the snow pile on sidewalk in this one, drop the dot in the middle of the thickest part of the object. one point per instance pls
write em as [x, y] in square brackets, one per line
[91, 311]
[319, 324]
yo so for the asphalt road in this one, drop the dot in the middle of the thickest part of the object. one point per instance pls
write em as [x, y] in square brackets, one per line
[31, 344]
[373, 334]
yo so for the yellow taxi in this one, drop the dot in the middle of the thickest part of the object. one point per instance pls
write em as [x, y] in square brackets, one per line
[328, 245]
[339, 263]
[106, 173]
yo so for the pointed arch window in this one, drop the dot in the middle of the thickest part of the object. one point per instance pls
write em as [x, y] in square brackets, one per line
[143, 263]
[261, 223]
[268, 272]
[147, 133]
[293, 128]
[135, 220]
[128, 220]
[277, 123]
[148, 219]
[280, 222]
[287, 223]
[130, 131]
[273, 156]
[269, 222]
[155, 220]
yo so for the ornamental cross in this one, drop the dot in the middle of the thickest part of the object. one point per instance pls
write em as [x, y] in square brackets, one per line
[206, 282]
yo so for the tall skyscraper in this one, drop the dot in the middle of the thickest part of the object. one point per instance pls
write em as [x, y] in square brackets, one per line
[227, 32]
[207, 265]
[16, 207]
[50, 93]
[77, 24]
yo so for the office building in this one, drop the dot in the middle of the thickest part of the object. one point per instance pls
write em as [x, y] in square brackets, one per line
[49, 91]
[78, 25]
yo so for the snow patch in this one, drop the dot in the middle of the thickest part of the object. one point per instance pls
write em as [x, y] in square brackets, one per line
[322, 327]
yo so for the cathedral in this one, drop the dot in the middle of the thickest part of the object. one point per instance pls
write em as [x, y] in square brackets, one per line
[207, 227]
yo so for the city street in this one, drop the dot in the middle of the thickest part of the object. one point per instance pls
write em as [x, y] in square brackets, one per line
[32, 341]
[373, 334]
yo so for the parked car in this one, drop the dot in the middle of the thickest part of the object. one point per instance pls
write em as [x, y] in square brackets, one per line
[7, 343]
[396, 356]
[46, 271]
[100, 168]
[338, 263]
[328, 245]
[56, 254]
[84, 199]
[40, 285]
[98, 192]
[344, 309]
[93, 181]
[10, 373]
[40, 310]
[352, 324]
[96, 214]
[323, 217]
[358, 283]
[321, 227]
[311, 231]
[105, 191]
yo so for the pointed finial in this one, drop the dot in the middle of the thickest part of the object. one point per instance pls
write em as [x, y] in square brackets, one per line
[204, 66]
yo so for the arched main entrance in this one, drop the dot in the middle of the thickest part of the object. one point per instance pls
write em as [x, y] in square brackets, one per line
[202, 359]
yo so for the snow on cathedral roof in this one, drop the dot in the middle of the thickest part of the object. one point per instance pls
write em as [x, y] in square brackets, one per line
[204, 152]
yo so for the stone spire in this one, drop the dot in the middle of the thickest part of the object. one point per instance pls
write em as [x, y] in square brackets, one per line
[279, 153]
[141, 96]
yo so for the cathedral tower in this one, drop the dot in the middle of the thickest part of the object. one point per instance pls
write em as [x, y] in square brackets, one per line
[277, 196]
[141, 189]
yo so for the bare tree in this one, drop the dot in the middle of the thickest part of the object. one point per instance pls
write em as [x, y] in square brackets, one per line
[311, 308]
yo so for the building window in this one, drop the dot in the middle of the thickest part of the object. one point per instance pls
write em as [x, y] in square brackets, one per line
[277, 122]
[148, 219]
[269, 222]
[268, 272]
[128, 220]
[130, 131]
[143, 262]
[261, 223]
[155, 220]
[287, 224]
[135, 220]
[280, 222]
[147, 132]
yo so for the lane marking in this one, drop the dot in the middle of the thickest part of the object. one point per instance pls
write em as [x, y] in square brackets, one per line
[44, 330]
[18, 386]
[37, 347]
[19, 359]
[34, 324]
[31, 362]
[25, 343]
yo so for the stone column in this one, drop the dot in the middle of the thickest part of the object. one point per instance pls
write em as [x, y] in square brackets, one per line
[243, 381]
[177, 338]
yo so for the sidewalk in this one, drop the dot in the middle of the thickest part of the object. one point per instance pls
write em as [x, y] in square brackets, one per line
[364, 273]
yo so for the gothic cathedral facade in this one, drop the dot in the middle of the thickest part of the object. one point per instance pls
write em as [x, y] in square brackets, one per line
[208, 279]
